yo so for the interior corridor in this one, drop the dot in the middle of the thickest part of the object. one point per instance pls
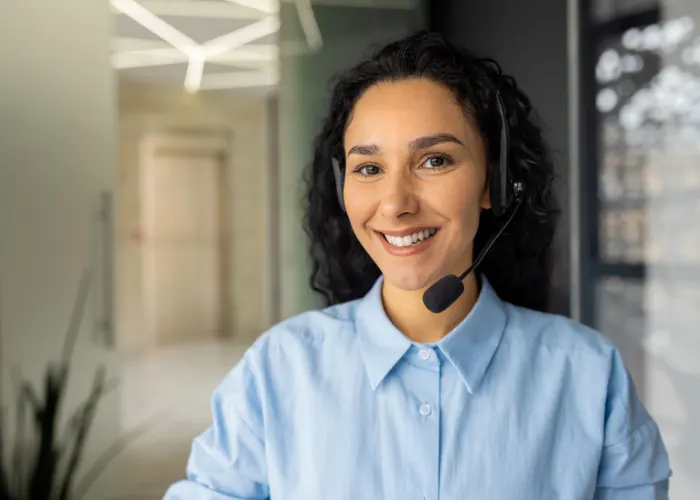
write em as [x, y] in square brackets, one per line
[168, 391]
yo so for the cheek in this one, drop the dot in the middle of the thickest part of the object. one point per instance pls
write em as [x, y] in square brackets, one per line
[458, 201]
[358, 208]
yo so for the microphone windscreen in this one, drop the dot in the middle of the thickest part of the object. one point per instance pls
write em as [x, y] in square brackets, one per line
[443, 293]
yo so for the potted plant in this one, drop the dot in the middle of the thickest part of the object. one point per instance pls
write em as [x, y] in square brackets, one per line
[42, 460]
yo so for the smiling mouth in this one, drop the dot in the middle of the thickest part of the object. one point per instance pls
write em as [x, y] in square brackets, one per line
[415, 239]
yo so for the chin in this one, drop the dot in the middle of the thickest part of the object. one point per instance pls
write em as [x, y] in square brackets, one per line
[410, 281]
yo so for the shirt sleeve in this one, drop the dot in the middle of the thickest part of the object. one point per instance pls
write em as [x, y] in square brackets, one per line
[227, 461]
[634, 464]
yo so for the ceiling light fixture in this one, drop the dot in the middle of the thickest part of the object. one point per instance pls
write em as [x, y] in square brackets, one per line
[225, 49]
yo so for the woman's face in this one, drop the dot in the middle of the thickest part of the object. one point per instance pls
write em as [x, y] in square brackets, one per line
[415, 181]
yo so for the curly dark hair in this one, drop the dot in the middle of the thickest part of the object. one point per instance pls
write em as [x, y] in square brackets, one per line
[519, 264]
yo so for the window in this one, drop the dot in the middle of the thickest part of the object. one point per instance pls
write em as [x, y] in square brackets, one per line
[642, 161]
[640, 206]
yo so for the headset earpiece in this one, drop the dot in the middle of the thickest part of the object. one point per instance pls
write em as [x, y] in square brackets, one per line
[501, 188]
[339, 182]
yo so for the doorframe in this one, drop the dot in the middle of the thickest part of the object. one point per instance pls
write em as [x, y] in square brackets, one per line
[216, 142]
[274, 288]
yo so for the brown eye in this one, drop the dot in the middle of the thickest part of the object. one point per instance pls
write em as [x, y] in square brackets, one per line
[436, 162]
[369, 170]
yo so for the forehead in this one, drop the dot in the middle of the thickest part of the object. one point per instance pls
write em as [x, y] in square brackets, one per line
[410, 108]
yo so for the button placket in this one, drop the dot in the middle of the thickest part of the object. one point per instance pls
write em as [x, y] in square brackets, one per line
[423, 372]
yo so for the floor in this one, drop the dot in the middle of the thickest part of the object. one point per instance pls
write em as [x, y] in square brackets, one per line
[167, 393]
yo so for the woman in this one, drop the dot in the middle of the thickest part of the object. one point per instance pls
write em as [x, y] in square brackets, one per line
[432, 152]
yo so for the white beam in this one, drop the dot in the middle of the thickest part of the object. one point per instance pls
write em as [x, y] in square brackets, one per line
[239, 79]
[266, 6]
[124, 44]
[156, 25]
[193, 78]
[148, 58]
[267, 51]
[202, 8]
[242, 36]
[246, 64]
[312, 32]
[249, 55]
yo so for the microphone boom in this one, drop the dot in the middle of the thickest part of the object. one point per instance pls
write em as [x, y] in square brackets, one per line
[445, 291]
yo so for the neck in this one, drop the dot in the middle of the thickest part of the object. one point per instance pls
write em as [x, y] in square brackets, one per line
[407, 312]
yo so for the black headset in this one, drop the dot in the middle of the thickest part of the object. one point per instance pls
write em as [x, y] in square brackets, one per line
[503, 191]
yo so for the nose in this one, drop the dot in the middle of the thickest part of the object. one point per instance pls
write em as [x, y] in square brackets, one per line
[398, 197]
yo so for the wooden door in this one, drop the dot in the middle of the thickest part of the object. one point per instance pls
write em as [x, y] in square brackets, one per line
[184, 245]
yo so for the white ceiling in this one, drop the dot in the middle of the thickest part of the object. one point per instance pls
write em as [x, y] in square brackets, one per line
[212, 44]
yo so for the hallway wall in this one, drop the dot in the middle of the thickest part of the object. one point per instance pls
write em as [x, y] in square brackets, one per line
[57, 158]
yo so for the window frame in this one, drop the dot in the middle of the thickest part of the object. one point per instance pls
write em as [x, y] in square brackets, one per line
[592, 268]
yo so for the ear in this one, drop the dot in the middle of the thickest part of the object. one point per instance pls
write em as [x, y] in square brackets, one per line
[486, 201]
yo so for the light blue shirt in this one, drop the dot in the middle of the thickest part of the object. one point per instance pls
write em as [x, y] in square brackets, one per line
[511, 405]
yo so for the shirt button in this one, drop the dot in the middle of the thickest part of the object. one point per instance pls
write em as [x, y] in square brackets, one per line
[425, 409]
[425, 354]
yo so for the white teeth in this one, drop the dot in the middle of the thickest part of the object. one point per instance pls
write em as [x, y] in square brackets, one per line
[410, 240]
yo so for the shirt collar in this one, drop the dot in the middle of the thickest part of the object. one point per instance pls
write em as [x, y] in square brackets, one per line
[470, 346]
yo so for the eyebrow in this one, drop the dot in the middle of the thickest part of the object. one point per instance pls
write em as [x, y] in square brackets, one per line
[415, 144]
